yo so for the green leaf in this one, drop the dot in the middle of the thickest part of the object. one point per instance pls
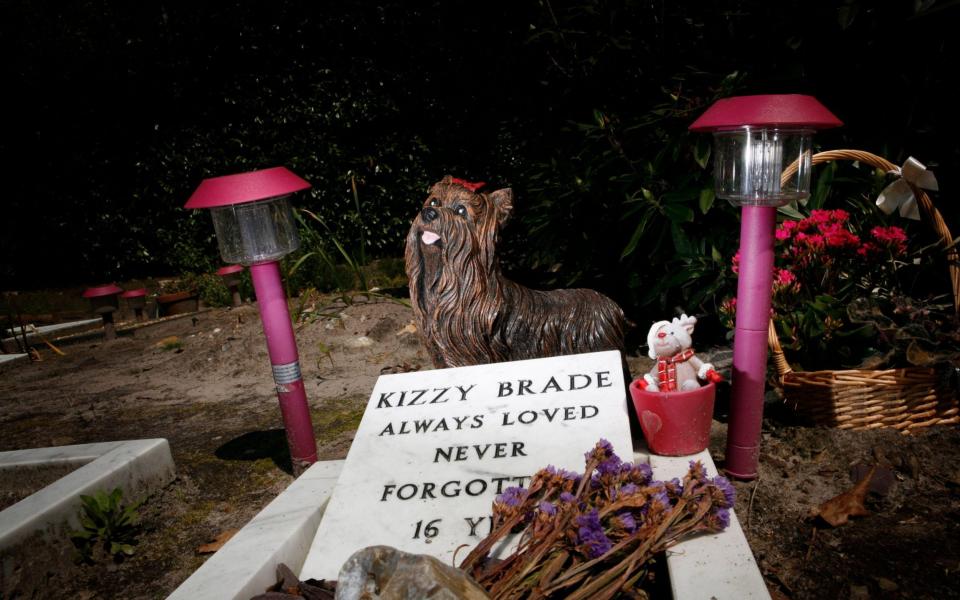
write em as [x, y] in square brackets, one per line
[821, 191]
[681, 242]
[701, 151]
[678, 213]
[707, 196]
[599, 117]
[293, 269]
[791, 211]
[637, 235]
[681, 196]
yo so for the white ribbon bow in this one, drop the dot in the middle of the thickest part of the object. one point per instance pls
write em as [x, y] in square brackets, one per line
[899, 194]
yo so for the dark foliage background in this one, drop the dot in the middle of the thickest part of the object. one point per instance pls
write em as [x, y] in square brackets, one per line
[116, 111]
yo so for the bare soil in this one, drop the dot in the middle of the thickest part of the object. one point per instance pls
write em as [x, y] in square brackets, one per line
[210, 393]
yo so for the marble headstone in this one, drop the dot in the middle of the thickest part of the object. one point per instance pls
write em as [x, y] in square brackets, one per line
[434, 449]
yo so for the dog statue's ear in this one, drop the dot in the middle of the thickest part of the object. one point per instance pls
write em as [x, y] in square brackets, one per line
[503, 203]
[447, 179]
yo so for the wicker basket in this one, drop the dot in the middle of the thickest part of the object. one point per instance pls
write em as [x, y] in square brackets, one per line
[904, 399]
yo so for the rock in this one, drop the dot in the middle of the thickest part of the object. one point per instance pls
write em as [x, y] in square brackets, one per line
[382, 329]
[385, 573]
[859, 592]
[886, 585]
[360, 342]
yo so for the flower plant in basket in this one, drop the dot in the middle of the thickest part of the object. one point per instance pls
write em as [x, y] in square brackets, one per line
[833, 277]
[593, 535]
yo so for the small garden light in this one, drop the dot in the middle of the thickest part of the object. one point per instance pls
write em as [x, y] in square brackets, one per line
[231, 278]
[255, 227]
[755, 139]
[136, 300]
[104, 301]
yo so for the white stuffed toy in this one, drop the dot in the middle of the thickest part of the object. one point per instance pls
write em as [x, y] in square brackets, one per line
[677, 367]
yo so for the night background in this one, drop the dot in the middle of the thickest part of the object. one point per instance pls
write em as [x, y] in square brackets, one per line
[116, 111]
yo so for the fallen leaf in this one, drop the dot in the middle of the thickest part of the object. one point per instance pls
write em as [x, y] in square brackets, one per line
[217, 542]
[411, 328]
[168, 342]
[838, 510]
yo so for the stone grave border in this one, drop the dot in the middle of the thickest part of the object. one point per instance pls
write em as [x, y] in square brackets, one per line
[138, 467]
[718, 566]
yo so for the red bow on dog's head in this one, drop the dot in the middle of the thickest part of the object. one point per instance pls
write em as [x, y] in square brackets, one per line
[473, 187]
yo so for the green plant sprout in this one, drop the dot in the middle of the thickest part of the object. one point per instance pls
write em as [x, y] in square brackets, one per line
[108, 528]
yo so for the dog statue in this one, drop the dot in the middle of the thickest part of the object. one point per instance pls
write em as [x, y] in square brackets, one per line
[677, 367]
[467, 312]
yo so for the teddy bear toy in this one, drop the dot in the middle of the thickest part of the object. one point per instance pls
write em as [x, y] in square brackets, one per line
[677, 368]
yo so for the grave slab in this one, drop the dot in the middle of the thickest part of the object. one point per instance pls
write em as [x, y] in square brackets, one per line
[11, 357]
[434, 448]
[717, 566]
[32, 333]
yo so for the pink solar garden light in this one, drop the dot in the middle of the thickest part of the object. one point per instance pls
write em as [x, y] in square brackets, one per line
[255, 227]
[136, 300]
[103, 300]
[755, 139]
[230, 275]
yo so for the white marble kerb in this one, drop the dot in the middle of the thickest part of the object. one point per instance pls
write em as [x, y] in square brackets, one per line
[434, 449]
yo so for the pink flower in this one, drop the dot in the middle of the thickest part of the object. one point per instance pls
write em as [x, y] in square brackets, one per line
[838, 236]
[786, 229]
[735, 263]
[785, 277]
[808, 241]
[784, 280]
[893, 238]
[728, 309]
[868, 250]
[839, 215]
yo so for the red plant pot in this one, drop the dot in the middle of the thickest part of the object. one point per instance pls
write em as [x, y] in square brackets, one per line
[178, 303]
[675, 423]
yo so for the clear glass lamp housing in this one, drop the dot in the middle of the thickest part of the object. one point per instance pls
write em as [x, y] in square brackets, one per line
[751, 165]
[256, 232]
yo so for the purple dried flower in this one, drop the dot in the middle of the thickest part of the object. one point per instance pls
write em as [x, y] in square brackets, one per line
[639, 474]
[594, 541]
[609, 462]
[624, 520]
[627, 490]
[720, 518]
[661, 497]
[697, 469]
[674, 487]
[547, 508]
[567, 497]
[512, 496]
[729, 494]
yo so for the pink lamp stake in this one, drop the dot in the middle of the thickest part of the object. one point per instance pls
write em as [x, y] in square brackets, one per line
[103, 300]
[255, 227]
[755, 139]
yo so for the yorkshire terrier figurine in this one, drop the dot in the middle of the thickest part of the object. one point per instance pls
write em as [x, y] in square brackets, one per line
[467, 312]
